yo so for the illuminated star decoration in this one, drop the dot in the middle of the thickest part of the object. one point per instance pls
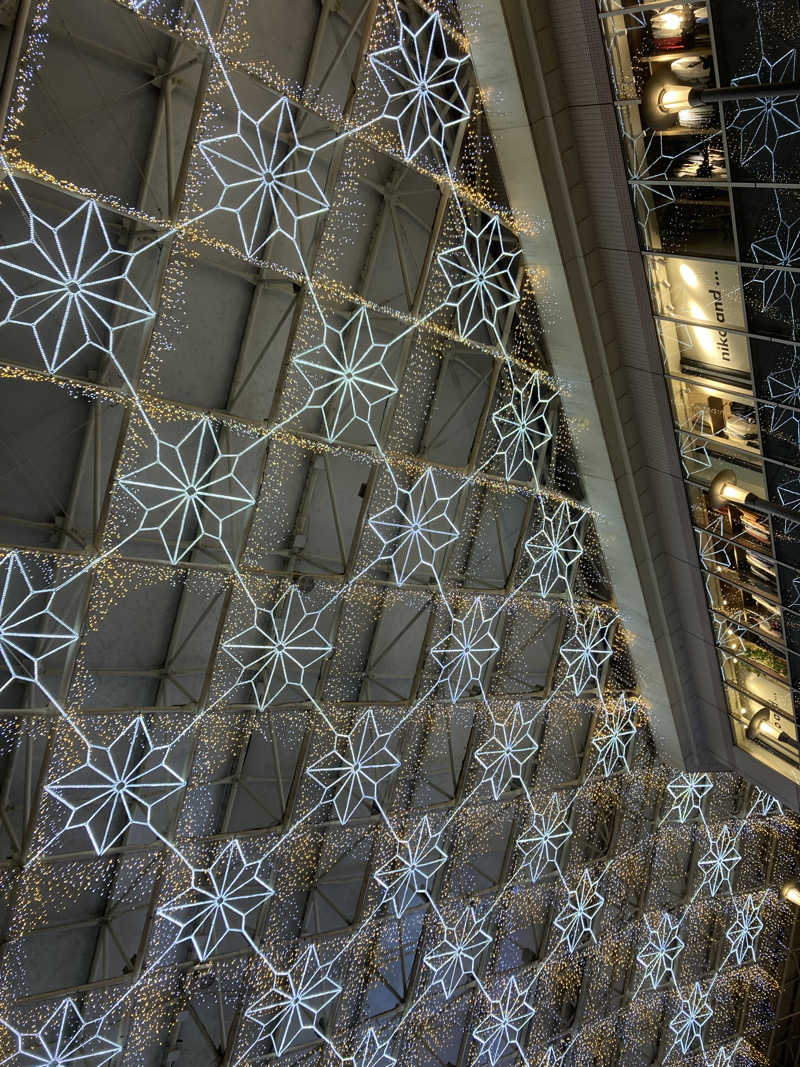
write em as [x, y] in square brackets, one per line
[465, 652]
[648, 166]
[781, 420]
[557, 1054]
[416, 528]
[502, 1027]
[266, 176]
[687, 791]
[420, 77]
[662, 948]
[352, 771]
[776, 286]
[220, 901]
[30, 630]
[371, 1053]
[282, 644]
[723, 1057]
[480, 275]
[615, 734]
[766, 805]
[719, 862]
[746, 926]
[410, 870]
[580, 908]
[789, 496]
[783, 384]
[714, 553]
[346, 375]
[692, 1015]
[693, 450]
[454, 957]
[504, 755]
[190, 491]
[587, 650]
[728, 638]
[65, 1040]
[70, 286]
[554, 547]
[290, 1010]
[547, 831]
[117, 786]
[523, 427]
[766, 121]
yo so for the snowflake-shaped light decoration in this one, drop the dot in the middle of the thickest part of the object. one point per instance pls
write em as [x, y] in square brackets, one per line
[587, 650]
[291, 1008]
[781, 420]
[421, 79]
[554, 547]
[557, 1054]
[454, 957]
[662, 948]
[649, 160]
[266, 176]
[783, 384]
[692, 1015]
[30, 630]
[117, 786]
[714, 553]
[723, 1057]
[411, 869]
[416, 529]
[64, 1040]
[693, 450]
[70, 286]
[480, 274]
[746, 926]
[280, 646]
[523, 426]
[576, 918]
[465, 652]
[190, 491]
[729, 638]
[793, 598]
[219, 902]
[776, 286]
[371, 1053]
[765, 122]
[503, 1026]
[504, 755]
[687, 791]
[765, 804]
[346, 373]
[547, 831]
[352, 771]
[789, 496]
[614, 734]
[719, 862]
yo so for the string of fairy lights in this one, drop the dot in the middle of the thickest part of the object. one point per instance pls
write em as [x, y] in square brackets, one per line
[186, 485]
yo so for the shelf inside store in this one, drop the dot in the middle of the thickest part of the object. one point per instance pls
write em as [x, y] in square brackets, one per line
[689, 131]
[732, 388]
[670, 57]
[726, 446]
